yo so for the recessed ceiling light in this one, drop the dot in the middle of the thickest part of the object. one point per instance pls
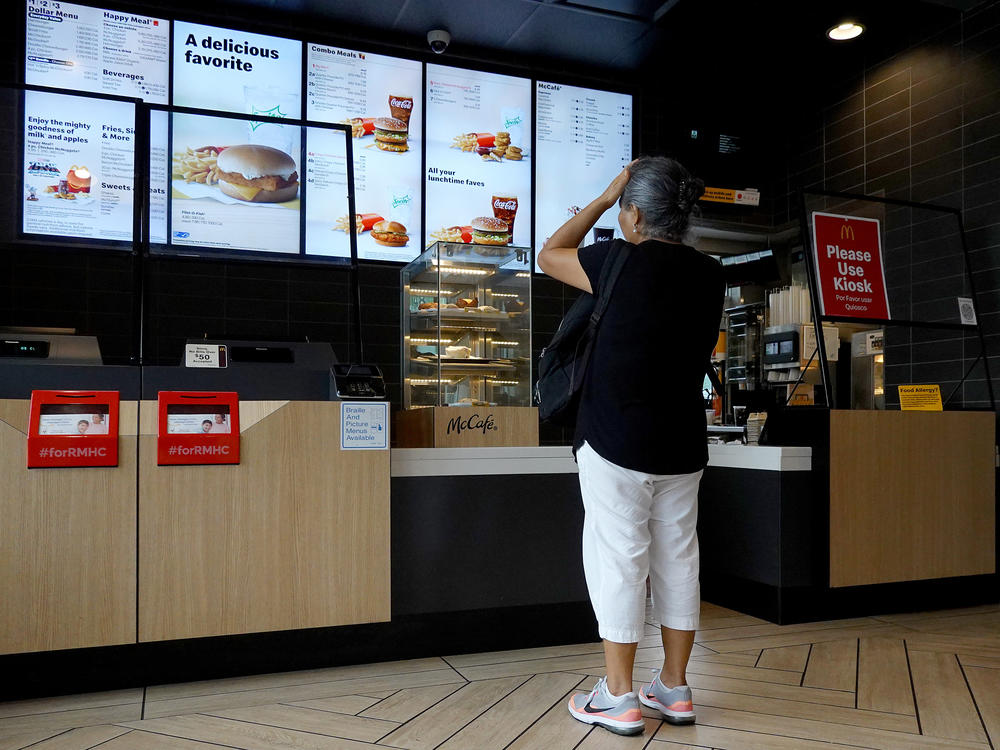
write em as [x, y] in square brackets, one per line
[844, 31]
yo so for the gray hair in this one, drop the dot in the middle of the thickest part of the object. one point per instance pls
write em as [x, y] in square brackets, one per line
[665, 194]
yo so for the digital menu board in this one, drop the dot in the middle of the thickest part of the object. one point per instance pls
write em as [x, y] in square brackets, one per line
[235, 71]
[103, 51]
[478, 157]
[381, 99]
[159, 176]
[78, 167]
[583, 140]
[231, 191]
[326, 193]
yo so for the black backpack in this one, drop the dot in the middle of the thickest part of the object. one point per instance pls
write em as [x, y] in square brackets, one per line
[563, 363]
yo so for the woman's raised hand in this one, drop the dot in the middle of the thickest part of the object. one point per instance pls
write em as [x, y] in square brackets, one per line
[614, 191]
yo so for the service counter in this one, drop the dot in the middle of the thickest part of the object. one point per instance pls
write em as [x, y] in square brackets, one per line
[303, 556]
[68, 536]
[294, 536]
[479, 528]
[898, 512]
[475, 528]
[869, 512]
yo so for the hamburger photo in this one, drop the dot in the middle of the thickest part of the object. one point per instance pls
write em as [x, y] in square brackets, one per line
[257, 174]
[391, 134]
[487, 230]
[390, 233]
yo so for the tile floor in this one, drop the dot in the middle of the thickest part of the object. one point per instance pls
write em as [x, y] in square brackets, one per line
[922, 681]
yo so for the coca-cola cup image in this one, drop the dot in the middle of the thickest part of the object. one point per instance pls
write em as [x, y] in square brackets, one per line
[401, 107]
[505, 208]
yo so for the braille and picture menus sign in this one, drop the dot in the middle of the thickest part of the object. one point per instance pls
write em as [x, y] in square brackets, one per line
[849, 272]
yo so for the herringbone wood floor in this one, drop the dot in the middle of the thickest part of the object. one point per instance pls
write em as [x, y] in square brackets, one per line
[925, 681]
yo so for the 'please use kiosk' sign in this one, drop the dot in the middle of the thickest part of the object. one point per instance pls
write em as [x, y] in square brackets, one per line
[849, 270]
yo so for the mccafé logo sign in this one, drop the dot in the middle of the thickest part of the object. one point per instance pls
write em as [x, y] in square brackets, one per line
[474, 422]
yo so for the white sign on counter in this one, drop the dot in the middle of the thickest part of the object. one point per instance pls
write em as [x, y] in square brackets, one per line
[205, 355]
[364, 426]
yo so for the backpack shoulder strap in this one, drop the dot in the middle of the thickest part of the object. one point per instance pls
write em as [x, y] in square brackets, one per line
[610, 272]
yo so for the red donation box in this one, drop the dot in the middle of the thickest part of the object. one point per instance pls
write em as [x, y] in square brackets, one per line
[198, 427]
[849, 271]
[73, 428]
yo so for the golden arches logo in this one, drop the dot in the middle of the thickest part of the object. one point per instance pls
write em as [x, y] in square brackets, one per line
[846, 232]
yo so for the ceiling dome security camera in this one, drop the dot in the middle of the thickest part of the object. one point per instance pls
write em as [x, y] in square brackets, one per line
[438, 39]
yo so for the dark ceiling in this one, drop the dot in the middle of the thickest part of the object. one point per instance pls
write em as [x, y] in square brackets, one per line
[609, 36]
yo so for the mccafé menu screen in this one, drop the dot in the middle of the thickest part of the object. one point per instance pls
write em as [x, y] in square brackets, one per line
[478, 161]
[235, 71]
[584, 139]
[103, 51]
[230, 191]
[381, 98]
[78, 166]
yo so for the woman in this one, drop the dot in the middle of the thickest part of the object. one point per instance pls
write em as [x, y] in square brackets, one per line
[641, 440]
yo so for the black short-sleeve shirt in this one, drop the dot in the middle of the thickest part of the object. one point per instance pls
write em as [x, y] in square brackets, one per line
[642, 405]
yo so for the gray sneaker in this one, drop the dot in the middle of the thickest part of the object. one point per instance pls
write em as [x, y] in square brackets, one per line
[617, 713]
[674, 703]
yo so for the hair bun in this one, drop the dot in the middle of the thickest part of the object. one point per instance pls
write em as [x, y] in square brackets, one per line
[688, 192]
[696, 187]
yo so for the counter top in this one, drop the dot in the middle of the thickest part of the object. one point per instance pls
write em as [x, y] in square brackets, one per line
[434, 462]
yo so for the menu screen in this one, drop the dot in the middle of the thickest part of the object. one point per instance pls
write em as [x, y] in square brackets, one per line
[584, 139]
[78, 166]
[380, 98]
[231, 191]
[159, 176]
[326, 193]
[478, 178]
[89, 49]
[235, 71]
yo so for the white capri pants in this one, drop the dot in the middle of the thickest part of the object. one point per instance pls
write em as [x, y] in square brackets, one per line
[638, 524]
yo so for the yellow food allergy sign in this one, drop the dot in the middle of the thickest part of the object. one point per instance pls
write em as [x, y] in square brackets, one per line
[920, 398]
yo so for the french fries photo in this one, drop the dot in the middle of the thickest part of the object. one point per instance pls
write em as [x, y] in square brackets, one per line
[196, 165]
[491, 147]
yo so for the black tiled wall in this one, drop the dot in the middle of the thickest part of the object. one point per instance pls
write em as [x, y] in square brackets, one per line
[922, 125]
[92, 293]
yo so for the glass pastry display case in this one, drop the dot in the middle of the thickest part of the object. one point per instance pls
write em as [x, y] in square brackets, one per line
[467, 326]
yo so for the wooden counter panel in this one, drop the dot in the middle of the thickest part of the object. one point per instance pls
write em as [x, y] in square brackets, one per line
[67, 545]
[912, 496]
[467, 427]
[296, 536]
